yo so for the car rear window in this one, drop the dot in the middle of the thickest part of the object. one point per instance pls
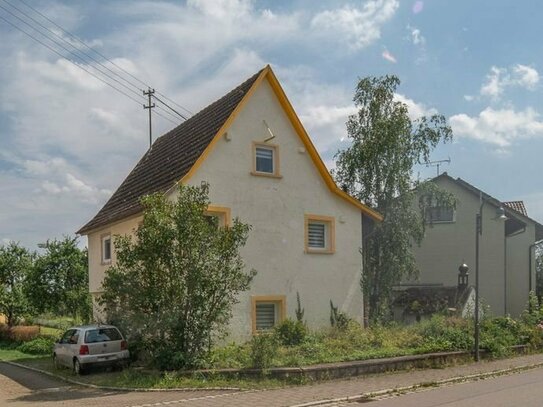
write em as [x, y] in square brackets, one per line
[102, 335]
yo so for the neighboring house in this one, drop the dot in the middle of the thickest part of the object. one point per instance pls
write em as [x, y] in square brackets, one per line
[507, 263]
[261, 166]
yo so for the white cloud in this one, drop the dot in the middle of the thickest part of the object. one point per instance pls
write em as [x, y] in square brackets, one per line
[498, 79]
[526, 76]
[359, 27]
[416, 36]
[416, 110]
[495, 83]
[499, 127]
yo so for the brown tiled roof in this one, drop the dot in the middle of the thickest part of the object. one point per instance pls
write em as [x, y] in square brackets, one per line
[170, 158]
[517, 206]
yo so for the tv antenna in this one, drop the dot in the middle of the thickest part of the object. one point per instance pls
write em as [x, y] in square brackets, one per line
[438, 163]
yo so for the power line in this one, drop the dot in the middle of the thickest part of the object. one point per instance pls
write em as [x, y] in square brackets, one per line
[70, 52]
[75, 37]
[79, 66]
[71, 45]
[168, 106]
[81, 58]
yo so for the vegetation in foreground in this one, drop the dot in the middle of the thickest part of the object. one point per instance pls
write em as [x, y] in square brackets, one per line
[292, 344]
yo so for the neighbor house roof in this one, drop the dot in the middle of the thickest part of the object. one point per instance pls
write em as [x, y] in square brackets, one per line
[512, 211]
[517, 206]
[175, 156]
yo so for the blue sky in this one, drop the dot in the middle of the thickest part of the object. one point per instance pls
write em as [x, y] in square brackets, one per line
[67, 140]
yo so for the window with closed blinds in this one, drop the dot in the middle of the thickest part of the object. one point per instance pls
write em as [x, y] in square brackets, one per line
[316, 238]
[265, 315]
[264, 160]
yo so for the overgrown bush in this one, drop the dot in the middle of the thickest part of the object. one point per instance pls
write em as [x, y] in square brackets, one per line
[442, 333]
[290, 333]
[19, 333]
[39, 346]
[338, 319]
[263, 348]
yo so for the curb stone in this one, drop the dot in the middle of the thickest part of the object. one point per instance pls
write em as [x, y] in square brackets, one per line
[125, 389]
[437, 383]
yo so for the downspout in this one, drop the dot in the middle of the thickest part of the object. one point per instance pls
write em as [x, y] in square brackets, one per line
[530, 264]
[505, 276]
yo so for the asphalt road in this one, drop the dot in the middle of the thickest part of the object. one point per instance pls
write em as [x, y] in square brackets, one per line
[520, 389]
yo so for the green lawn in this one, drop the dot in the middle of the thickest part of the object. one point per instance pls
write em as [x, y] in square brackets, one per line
[15, 355]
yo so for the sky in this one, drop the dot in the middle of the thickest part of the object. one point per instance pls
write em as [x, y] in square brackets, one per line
[67, 140]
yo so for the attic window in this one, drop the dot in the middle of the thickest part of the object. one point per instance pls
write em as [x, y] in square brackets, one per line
[266, 160]
[437, 214]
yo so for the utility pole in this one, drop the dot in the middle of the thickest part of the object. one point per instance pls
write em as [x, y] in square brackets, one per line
[149, 93]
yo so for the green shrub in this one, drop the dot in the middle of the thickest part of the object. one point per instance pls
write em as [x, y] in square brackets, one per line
[291, 333]
[338, 319]
[39, 346]
[263, 349]
[441, 333]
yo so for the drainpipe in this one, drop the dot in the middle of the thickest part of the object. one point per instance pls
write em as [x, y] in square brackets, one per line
[505, 275]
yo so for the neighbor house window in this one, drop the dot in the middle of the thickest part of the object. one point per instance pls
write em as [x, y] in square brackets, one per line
[268, 311]
[265, 160]
[319, 234]
[218, 216]
[438, 214]
[106, 249]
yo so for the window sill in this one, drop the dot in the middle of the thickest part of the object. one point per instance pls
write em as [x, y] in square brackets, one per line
[266, 174]
[105, 263]
[313, 251]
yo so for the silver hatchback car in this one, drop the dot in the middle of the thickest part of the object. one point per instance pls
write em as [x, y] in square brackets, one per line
[91, 345]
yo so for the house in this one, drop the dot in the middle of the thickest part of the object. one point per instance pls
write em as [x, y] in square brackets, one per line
[261, 166]
[507, 264]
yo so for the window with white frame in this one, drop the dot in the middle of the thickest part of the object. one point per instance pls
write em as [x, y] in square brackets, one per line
[319, 234]
[439, 214]
[106, 249]
[266, 160]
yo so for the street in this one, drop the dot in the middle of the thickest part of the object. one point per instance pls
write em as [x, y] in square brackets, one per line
[523, 389]
[23, 388]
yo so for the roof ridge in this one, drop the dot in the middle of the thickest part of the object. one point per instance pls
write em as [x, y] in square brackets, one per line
[170, 157]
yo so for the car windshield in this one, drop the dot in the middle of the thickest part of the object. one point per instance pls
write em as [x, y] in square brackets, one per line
[102, 335]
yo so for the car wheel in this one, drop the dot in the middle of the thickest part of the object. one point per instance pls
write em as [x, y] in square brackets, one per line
[78, 369]
[56, 364]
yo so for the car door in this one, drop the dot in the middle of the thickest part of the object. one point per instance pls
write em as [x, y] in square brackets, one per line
[72, 347]
[61, 349]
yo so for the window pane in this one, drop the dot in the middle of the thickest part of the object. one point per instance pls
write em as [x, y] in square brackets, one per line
[102, 335]
[213, 220]
[440, 214]
[264, 160]
[107, 249]
[317, 235]
[265, 316]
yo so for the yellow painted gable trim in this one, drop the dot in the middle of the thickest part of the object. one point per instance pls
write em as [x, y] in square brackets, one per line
[268, 74]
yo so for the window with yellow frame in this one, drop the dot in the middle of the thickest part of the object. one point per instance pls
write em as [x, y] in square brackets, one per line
[320, 234]
[267, 312]
[219, 215]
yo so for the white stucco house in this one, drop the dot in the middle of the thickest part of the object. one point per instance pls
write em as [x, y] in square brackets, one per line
[507, 259]
[261, 166]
